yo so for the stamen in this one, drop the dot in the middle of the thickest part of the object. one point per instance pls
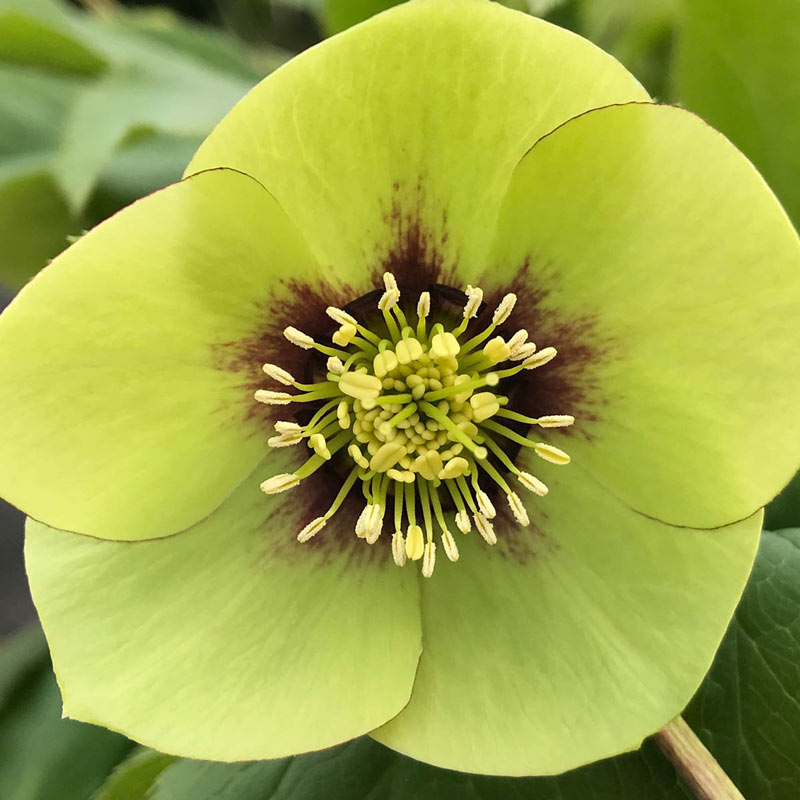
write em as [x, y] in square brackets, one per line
[280, 483]
[398, 548]
[273, 398]
[449, 544]
[532, 483]
[540, 359]
[429, 559]
[312, 529]
[504, 310]
[415, 543]
[278, 374]
[298, 338]
[485, 528]
[518, 509]
[419, 413]
[551, 454]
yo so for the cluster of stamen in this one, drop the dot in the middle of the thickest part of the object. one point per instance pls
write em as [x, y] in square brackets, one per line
[416, 409]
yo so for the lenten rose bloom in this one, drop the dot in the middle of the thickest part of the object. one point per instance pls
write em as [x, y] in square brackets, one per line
[292, 434]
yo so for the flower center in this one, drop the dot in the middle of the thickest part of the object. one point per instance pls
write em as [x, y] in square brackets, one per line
[419, 410]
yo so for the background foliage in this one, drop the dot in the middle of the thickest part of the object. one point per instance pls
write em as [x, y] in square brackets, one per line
[101, 103]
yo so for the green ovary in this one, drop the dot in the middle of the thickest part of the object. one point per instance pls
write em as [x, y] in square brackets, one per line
[418, 408]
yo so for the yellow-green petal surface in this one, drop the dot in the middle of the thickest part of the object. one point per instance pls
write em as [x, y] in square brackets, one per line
[571, 640]
[122, 415]
[668, 275]
[231, 641]
[392, 143]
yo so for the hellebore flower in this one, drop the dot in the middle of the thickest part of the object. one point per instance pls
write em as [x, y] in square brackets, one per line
[336, 227]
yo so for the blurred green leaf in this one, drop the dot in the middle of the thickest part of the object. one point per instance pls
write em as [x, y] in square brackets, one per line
[639, 34]
[34, 225]
[27, 41]
[20, 654]
[131, 98]
[43, 757]
[134, 777]
[738, 67]
[337, 15]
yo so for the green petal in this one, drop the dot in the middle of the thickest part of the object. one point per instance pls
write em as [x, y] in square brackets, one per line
[392, 144]
[570, 641]
[231, 641]
[652, 255]
[125, 393]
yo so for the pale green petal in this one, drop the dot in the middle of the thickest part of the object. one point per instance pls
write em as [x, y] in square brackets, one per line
[571, 640]
[127, 367]
[391, 144]
[650, 252]
[231, 641]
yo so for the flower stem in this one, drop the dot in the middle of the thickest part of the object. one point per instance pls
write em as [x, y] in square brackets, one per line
[695, 765]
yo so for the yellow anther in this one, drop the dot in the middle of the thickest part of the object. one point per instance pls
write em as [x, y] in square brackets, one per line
[280, 483]
[404, 476]
[285, 440]
[485, 504]
[386, 456]
[518, 509]
[454, 468]
[428, 465]
[497, 350]
[298, 337]
[398, 548]
[428, 559]
[450, 547]
[523, 352]
[363, 521]
[532, 484]
[384, 363]
[344, 335]
[312, 529]
[444, 346]
[354, 451]
[551, 454]
[360, 385]
[474, 300]
[343, 414]
[273, 398]
[278, 374]
[484, 405]
[424, 305]
[556, 420]
[415, 543]
[335, 365]
[388, 300]
[504, 309]
[540, 359]
[341, 317]
[287, 427]
[390, 282]
[518, 339]
[408, 350]
[462, 521]
[462, 397]
[485, 528]
[318, 444]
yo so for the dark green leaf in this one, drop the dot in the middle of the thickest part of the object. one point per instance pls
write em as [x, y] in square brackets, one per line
[748, 711]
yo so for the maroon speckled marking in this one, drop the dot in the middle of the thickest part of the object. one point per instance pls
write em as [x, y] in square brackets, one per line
[565, 385]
